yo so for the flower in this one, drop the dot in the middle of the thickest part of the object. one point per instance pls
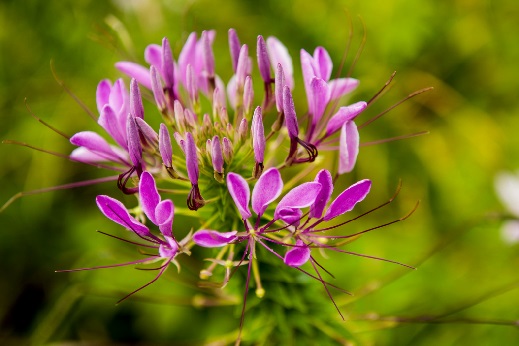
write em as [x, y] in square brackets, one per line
[507, 188]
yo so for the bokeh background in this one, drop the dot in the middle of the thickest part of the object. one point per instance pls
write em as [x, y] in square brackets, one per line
[467, 274]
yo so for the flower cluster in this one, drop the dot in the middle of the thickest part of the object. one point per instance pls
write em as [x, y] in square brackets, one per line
[215, 141]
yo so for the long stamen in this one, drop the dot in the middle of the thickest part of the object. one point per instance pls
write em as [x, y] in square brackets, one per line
[416, 93]
[129, 241]
[326, 289]
[106, 266]
[43, 122]
[393, 139]
[146, 285]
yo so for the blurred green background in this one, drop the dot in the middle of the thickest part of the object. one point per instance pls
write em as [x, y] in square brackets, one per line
[467, 50]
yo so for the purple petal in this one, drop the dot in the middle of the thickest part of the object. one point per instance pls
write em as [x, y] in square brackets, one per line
[240, 193]
[278, 54]
[191, 84]
[347, 200]
[263, 59]
[267, 189]
[323, 62]
[84, 155]
[234, 47]
[300, 196]
[180, 141]
[343, 115]
[164, 213]
[348, 147]
[319, 90]
[207, 54]
[232, 90]
[136, 107]
[242, 70]
[139, 72]
[96, 144]
[147, 132]
[153, 55]
[109, 121]
[103, 94]
[149, 196]
[134, 142]
[166, 151]
[170, 250]
[167, 64]
[324, 178]
[187, 56]
[307, 66]
[119, 101]
[248, 94]
[258, 136]
[291, 216]
[216, 154]
[191, 159]
[116, 211]
[227, 148]
[279, 83]
[341, 86]
[297, 255]
[290, 113]
[209, 238]
[219, 99]
[157, 88]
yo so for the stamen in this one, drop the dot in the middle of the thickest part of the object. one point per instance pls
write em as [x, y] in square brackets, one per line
[392, 139]
[43, 122]
[71, 94]
[410, 96]
[146, 285]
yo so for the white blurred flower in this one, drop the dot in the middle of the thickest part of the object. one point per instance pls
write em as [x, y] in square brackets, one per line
[507, 188]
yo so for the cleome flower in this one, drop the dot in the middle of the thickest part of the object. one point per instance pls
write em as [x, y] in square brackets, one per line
[160, 213]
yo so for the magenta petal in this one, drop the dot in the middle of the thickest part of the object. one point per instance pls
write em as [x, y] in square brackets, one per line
[116, 211]
[319, 90]
[96, 144]
[290, 216]
[209, 238]
[258, 136]
[240, 193]
[290, 113]
[156, 87]
[134, 142]
[347, 200]
[216, 154]
[341, 86]
[166, 151]
[307, 66]
[242, 69]
[140, 73]
[167, 64]
[267, 189]
[153, 55]
[348, 147]
[109, 121]
[207, 54]
[299, 197]
[164, 213]
[298, 255]
[279, 83]
[323, 62]
[191, 159]
[263, 59]
[343, 115]
[324, 178]
[103, 94]
[187, 56]
[234, 47]
[147, 132]
[278, 54]
[136, 107]
[148, 195]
